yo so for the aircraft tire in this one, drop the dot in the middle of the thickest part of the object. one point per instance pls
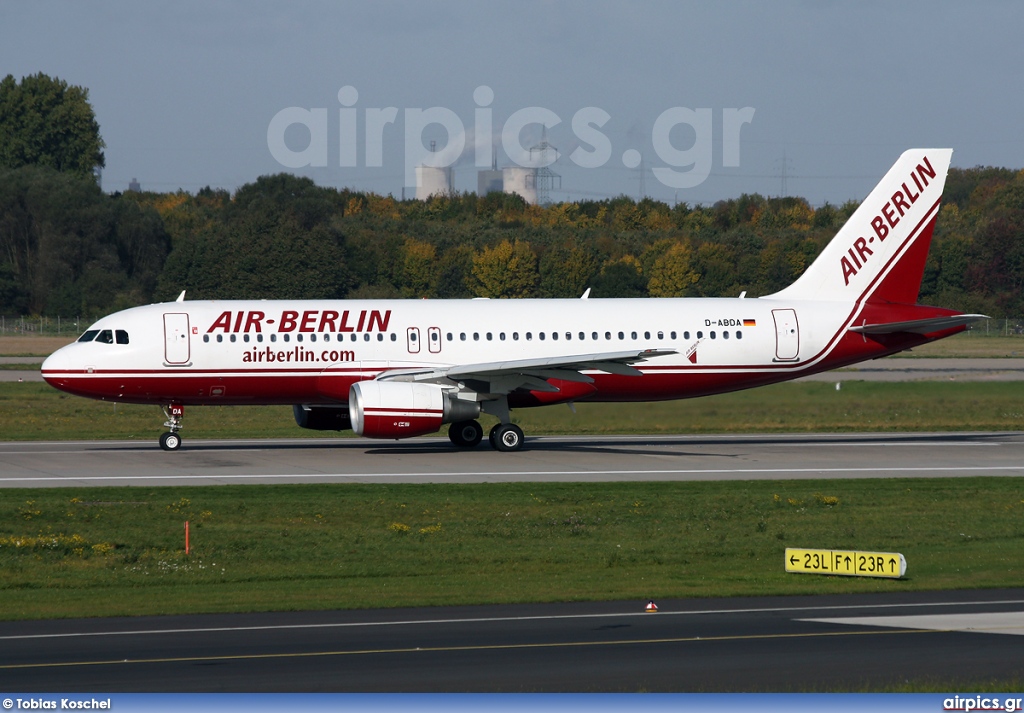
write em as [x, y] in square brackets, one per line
[170, 441]
[466, 434]
[507, 437]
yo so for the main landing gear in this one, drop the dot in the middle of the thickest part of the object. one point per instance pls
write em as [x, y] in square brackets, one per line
[505, 436]
[171, 441]
[466, 434]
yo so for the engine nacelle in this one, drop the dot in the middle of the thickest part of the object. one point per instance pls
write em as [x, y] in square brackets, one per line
[402, 409]
[322, 418]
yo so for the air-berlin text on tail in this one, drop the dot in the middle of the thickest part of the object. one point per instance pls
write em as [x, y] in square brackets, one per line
[310, 320]
[887, 218]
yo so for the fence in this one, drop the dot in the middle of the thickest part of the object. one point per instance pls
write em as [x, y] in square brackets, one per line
[44, 326]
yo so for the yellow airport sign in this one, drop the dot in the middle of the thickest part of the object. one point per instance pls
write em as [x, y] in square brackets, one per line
[850, 563]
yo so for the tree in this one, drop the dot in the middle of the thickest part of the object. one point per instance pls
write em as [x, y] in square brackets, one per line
[505, 270]
[621, 278]
[46, 122]
[566, 270]
[672, 274]
[418, 272]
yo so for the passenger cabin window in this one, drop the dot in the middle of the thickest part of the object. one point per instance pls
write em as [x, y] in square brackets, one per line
[89, 335]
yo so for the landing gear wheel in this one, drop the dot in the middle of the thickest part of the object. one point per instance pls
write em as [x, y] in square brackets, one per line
[507, 437]
[466, 434]
[170, 441]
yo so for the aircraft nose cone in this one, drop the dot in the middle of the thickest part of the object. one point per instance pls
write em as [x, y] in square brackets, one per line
[56, 366]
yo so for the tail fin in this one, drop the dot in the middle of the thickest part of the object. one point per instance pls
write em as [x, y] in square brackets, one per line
[879, 255]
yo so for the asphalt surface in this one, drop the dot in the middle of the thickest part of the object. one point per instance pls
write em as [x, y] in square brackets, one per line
[543, 459]
[764, 644]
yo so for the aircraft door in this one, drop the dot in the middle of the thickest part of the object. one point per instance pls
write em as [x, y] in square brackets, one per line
[412, 340]
[787, 335]
[434, 340]
[177, 347]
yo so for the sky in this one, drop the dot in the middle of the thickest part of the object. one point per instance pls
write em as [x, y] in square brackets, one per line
[680, 101]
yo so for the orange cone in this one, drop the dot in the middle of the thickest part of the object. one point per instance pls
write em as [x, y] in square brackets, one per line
[651, 606]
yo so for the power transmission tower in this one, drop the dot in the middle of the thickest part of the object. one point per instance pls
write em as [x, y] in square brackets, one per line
[546, 179]
[785, 170]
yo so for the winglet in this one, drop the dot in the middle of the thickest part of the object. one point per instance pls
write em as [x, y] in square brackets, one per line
[181, 297]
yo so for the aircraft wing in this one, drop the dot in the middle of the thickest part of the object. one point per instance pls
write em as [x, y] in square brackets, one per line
[919, 326]
[506, 376]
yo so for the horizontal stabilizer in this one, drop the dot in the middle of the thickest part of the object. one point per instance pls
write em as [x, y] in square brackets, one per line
[920, 326]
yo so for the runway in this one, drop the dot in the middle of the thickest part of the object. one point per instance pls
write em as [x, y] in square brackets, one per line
[850, 642]
[543, 459]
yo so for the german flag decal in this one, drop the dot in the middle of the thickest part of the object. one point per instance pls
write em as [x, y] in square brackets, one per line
[750, 323]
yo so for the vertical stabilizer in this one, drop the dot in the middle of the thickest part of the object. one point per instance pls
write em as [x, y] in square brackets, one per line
[879, 254]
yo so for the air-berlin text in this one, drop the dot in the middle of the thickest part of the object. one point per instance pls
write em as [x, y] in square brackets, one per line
[310, 320]
[887, 218]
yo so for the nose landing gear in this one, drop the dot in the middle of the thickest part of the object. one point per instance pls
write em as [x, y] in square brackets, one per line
[171, 441]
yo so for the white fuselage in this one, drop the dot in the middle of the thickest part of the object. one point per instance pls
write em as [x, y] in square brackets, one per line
[311, 351]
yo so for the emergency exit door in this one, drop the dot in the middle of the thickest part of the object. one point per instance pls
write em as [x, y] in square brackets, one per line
[177, 347]
[787, 335]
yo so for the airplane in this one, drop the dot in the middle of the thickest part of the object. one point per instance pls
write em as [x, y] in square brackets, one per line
[395, 369]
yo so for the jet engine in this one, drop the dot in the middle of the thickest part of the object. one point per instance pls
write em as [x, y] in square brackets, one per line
[322, 418]
[402, 409]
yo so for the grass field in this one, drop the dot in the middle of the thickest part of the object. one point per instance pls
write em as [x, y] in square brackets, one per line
[120, 551]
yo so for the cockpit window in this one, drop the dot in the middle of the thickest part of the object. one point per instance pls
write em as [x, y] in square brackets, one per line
[121, 336]
[89, 335]
[105, 337]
